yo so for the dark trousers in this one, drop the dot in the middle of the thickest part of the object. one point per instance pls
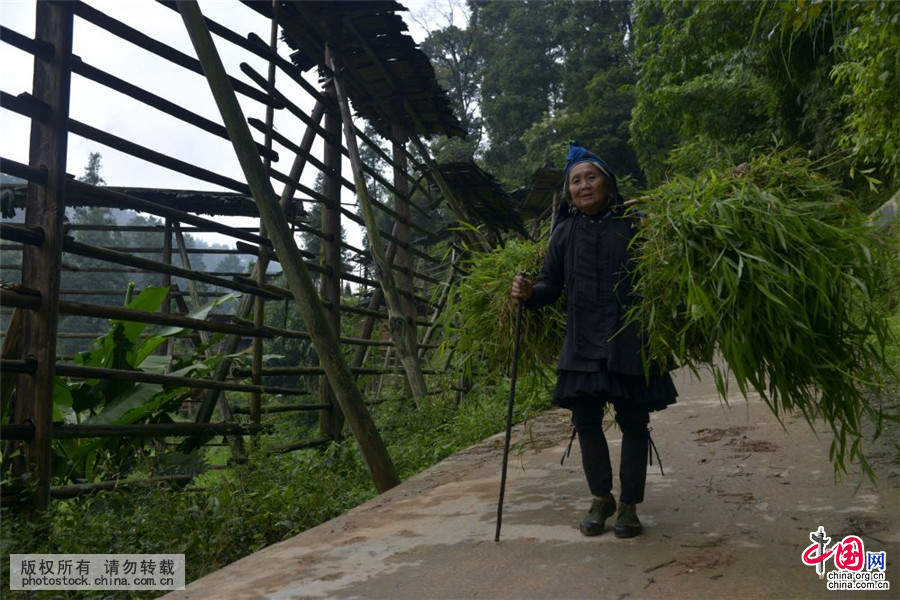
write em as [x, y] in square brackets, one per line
[587, 416]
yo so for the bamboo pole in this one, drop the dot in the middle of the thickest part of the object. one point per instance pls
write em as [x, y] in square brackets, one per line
[402, 332]
[319, 371]
[78, 371]
[45, 208]
[114, 199]
[403, 260]
[241, 410]
[301, 446]
[168, 348]
[345, 275]
[359, 357]
[123, 258]
[331, 422]
[324, 339]
[204, 413]
[262, 260]
[72, 491]
[170, 108]
[142, 40]
[442, 301]
[12, 348]
[69, 431]
[373, 173]
[68, 307]
[192, 287]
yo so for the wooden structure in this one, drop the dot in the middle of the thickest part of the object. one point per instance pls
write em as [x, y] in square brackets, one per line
[362, 56]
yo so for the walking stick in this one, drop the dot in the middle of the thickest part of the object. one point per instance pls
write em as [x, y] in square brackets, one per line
[509, 415]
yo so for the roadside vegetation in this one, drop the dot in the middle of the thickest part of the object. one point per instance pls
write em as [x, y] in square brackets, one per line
[757, 134]
[227, 513]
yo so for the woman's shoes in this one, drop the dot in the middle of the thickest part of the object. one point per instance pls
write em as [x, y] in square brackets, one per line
[627, 523]
[595, 521]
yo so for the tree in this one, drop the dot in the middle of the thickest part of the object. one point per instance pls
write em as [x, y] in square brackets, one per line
[868, 75]
[580, 72]
[597, 73]
[92, 170]
[698, 77]
[453, 53]
[515, 40]
[377, 192]
[721, 79]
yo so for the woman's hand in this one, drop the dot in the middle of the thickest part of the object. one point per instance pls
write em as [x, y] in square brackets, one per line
[522, 288]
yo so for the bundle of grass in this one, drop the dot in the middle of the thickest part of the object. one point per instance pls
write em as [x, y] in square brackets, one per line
[484, 315]
[770, 269]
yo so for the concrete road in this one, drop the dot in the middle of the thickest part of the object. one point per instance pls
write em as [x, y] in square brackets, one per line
[730, 518]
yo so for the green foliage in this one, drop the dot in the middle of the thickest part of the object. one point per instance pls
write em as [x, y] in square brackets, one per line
[231, 513]
[417, 439]
[893, 351]
[771, 269]
[452, 51]
[596, 69]
[698, 76]
[515, 40]
[578, 57]
[114, 401]
[701, 154]
[482, 314]
[270, 497]
[824, 76]
[869, 77]
[602, 123]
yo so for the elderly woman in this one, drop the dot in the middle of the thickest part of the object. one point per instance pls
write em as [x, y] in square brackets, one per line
[600, 362]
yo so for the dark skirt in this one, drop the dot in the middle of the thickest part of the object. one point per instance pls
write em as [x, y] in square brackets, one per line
[623, 391]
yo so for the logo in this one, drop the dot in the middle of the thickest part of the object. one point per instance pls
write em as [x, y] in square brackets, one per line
[854, 567]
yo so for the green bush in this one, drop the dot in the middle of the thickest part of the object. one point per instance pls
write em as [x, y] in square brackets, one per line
[231, 514]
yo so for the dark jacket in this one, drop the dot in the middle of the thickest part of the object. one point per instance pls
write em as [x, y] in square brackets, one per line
[589, 258]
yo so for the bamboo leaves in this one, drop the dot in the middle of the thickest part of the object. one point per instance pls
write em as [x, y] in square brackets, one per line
[772, 271]
[484, 313]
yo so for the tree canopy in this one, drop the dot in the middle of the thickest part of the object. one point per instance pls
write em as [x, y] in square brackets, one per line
[659, 87]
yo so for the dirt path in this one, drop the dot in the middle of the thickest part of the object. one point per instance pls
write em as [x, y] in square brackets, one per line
[730, 519]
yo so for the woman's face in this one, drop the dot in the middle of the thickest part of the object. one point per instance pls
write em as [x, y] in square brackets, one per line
[588, 188]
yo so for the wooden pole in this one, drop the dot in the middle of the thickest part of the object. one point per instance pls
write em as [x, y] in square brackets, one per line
[403, 259]
[170, 380]
[259, 306]
[192, 287]
[324, 338]
[205, 411]
[402, 332]
[45, 207]
[72, 491]
[12, 348]
[359, 357]
[331, 422]
[442, 301]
